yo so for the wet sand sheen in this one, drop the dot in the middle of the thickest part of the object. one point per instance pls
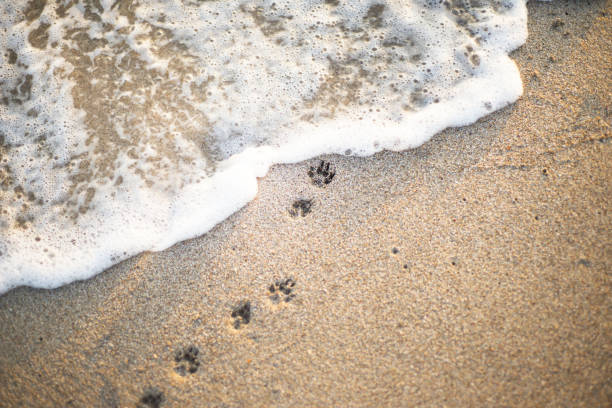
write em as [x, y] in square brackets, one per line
[470, 271]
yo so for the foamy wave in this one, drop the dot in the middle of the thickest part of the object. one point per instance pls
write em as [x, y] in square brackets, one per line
[129, 126]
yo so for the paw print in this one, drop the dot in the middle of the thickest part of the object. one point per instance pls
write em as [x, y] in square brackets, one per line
[324, 174]
[187, 360]
[152, 398]
[282, 290]
[241, 314]
[300, 207]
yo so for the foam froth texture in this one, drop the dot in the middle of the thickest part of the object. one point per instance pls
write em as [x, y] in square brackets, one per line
[131, 125]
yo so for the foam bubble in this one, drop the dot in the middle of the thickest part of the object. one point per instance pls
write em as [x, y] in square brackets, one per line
[129, 126]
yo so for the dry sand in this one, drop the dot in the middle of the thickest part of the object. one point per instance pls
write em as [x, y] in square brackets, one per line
[472, 271]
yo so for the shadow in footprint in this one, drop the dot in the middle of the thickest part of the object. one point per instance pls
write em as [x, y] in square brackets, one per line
[282, 290]
[300, 207]
[187, 360]
[241, 314]
[152, 398]
[322, 175]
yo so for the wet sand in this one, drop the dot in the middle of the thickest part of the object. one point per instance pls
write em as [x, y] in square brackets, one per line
[472, 271]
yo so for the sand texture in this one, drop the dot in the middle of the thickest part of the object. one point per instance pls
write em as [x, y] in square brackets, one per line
[472, 271]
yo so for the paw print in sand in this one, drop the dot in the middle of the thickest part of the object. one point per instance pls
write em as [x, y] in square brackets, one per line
[324, 174]
[187, 360]
[241, 314]
[281, 291]
[300, 207]
[152, 398]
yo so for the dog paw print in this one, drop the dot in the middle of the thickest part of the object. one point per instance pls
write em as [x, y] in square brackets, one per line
[300, 207]
[187, 360]
[282, 291]
[324, 174]
[152, 398]
[241, 315]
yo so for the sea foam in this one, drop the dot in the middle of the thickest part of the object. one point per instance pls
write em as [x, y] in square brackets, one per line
[128, 126]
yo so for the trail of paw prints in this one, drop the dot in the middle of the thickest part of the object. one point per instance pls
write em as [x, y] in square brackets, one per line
[300, 207]
[322, 175]
[241, 315]
[282, 291]
[187, 360]
[152, 398]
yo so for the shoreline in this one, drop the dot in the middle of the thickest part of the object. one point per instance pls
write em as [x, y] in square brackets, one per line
[472, 270]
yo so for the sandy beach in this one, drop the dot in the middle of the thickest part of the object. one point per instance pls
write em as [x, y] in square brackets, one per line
[474, 270]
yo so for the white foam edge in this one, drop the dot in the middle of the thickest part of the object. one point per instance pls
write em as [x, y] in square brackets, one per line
[199, 207]
[499, 88]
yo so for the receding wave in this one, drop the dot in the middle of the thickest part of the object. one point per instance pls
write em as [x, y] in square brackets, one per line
[130, 125]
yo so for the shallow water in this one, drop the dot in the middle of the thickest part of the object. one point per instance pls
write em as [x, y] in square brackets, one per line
[128, 126]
